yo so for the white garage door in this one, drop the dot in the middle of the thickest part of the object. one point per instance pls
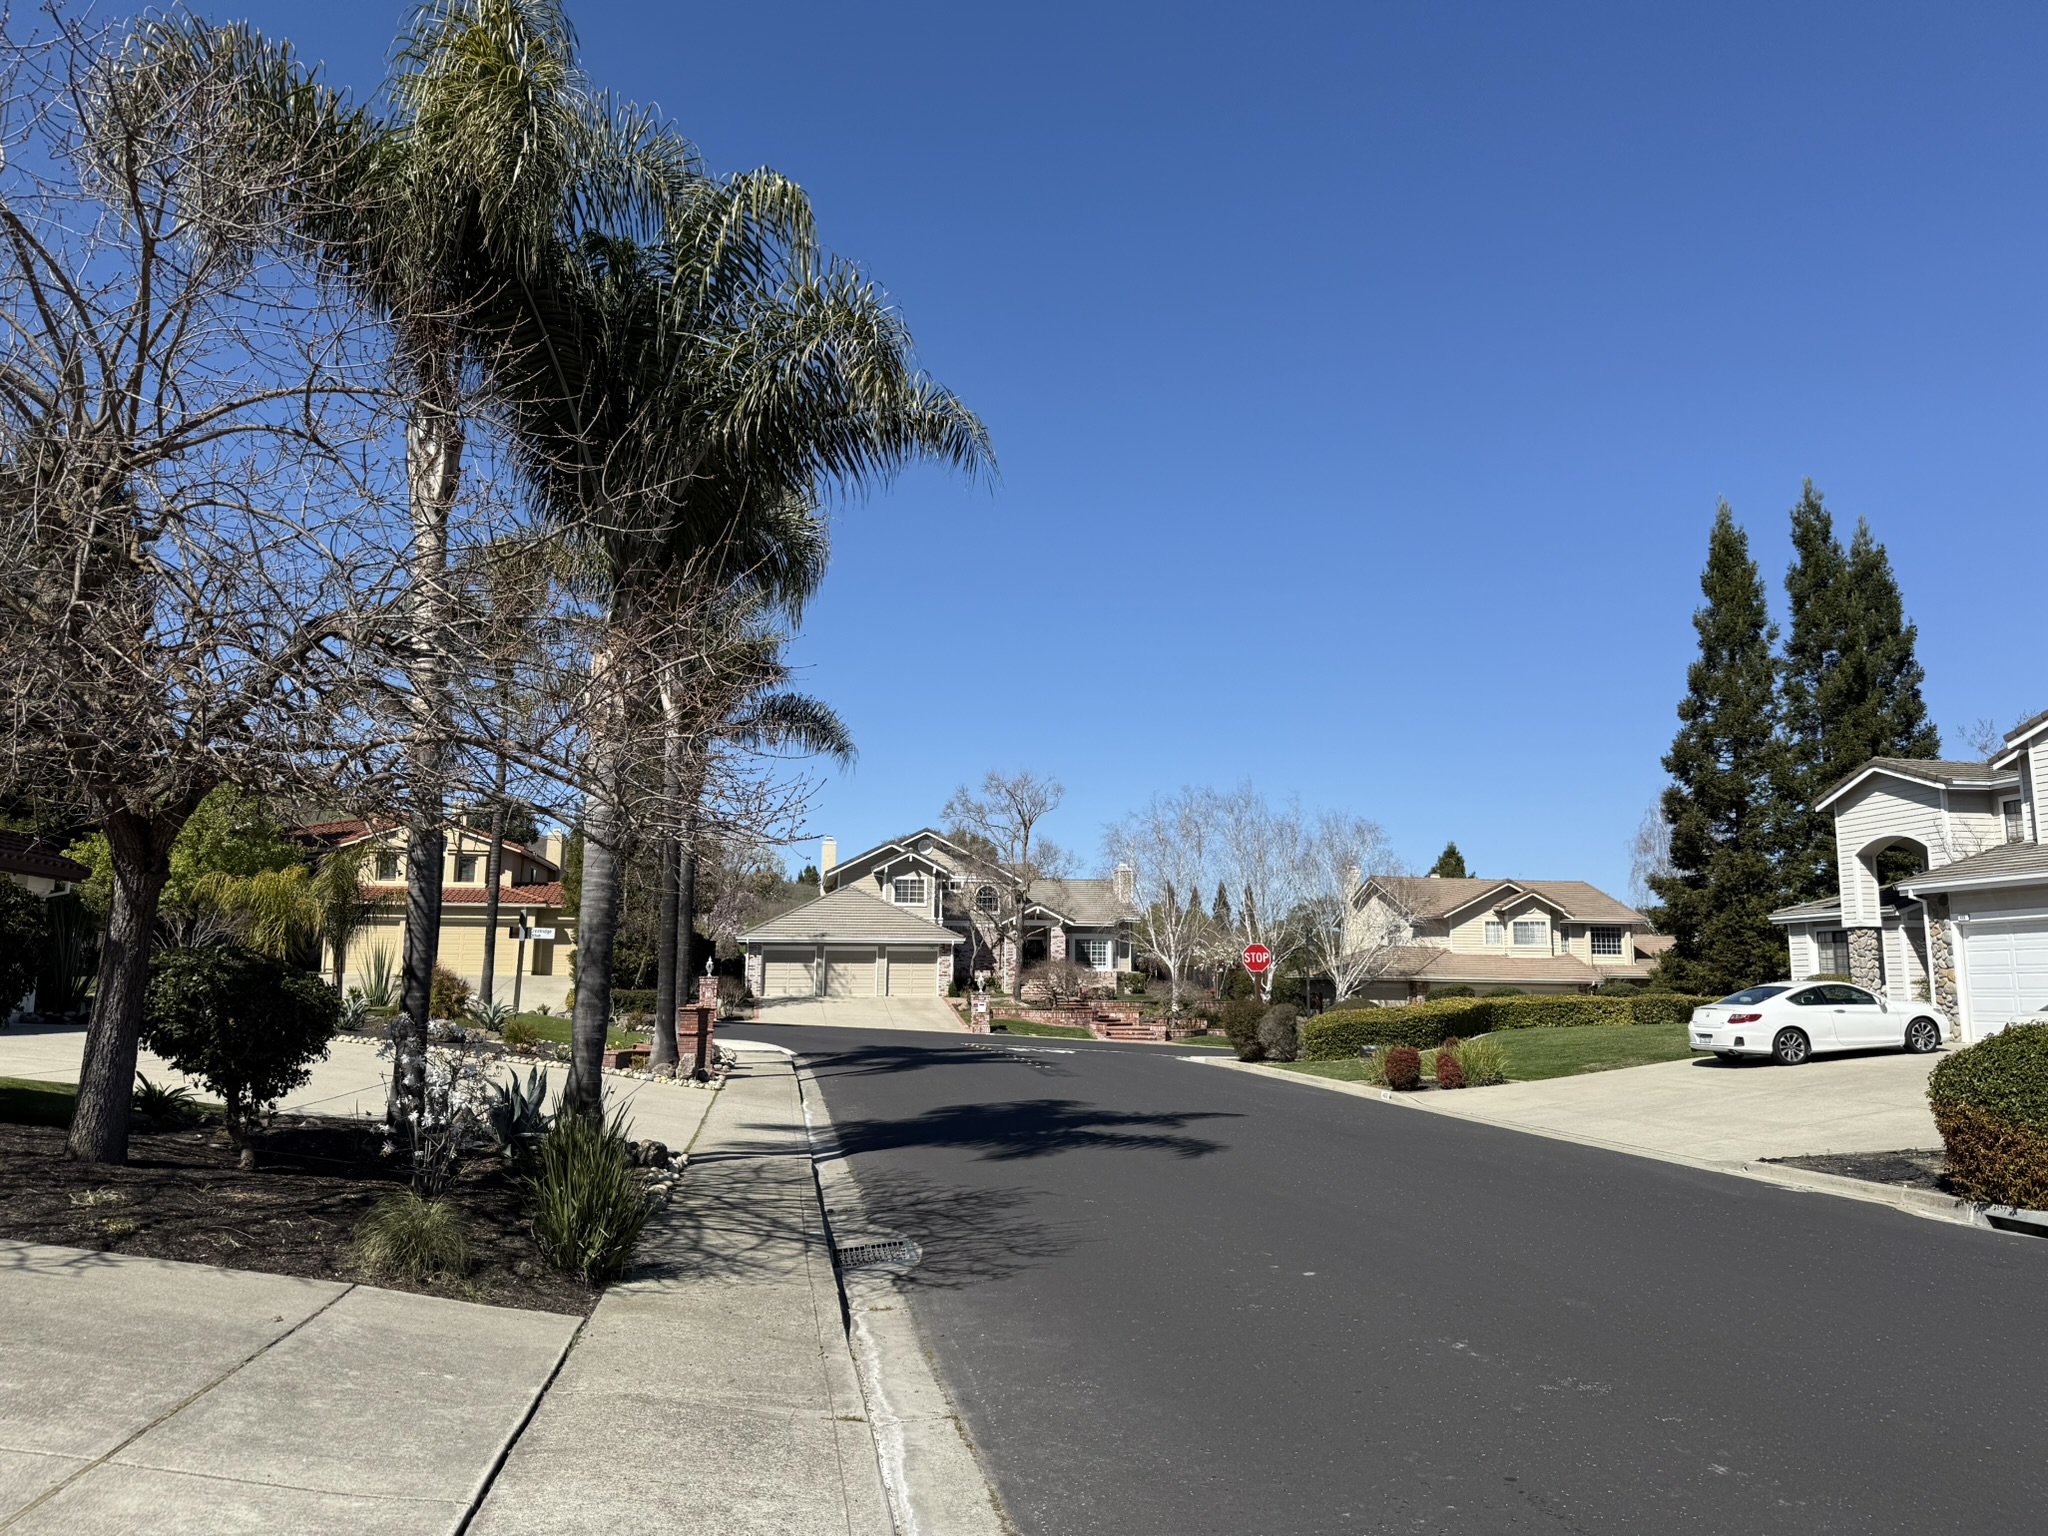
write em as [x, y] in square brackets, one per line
[849, 973]
[2007, 964]
[790, 973]
[912, 973]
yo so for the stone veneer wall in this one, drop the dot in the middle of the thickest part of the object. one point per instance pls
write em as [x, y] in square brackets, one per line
[757, 971]
[1941, 943]
[1866, 957]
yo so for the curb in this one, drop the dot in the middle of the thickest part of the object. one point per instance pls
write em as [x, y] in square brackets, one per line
[934, 1475]
[1929, 1204]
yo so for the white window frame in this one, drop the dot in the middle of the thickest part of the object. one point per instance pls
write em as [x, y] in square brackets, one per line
[919, 895]
[1601, 937]
[1087, 949]
[1535, 927]
[2015, 813]
[470, 862]
[1496, 931]
[384, 859]
[987, 902]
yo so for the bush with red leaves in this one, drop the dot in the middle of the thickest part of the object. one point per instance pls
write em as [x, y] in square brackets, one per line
[1404, 1067]
[1450, 1072]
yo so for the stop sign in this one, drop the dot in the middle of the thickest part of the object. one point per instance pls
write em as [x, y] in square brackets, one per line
[1257, 958]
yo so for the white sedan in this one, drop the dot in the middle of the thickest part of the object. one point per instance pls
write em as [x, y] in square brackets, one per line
[1789, 1021]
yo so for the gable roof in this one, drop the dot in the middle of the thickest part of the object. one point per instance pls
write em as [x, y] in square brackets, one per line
[21, 854]
[903, 847]
[2016, 863]
[1920, 770]
[849, 916]
[1435, 896]
[2016, 738]
[1083, 903]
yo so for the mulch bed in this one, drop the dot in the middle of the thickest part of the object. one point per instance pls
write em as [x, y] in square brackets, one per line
[1910, 1169]
[181, 1196]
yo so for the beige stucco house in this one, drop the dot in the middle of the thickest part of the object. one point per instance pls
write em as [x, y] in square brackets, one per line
[529, 889]
[839, 946]
[1970, 932]
[1541, 936]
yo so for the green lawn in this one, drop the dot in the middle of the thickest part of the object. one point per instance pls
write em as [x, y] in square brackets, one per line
[555, 1027]
[1535, 1054]
[25, 1101]
[1049, 1031]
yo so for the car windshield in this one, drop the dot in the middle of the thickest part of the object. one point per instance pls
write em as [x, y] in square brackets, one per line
[1755, 995]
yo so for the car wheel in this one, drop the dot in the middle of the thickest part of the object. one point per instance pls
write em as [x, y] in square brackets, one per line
[1791, 1047]
[1922, 1035]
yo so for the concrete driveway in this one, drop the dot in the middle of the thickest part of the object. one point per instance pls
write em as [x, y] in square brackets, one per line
[862, 1012]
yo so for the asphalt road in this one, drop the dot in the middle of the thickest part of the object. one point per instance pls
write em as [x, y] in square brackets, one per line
[1171, 1298]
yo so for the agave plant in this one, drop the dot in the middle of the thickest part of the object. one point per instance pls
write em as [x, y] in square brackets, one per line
[380, 982]
[518, 1114]
[160, 1104]
[491, 1016]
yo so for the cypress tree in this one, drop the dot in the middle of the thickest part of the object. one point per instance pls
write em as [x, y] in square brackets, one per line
[1219, 913]
[1726, 769]
[1450, 864]
[1851, 684]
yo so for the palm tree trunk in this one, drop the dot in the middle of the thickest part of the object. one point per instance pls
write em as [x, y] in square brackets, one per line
[433, 464]
[597, 917]
[141, 849]
[494, 868]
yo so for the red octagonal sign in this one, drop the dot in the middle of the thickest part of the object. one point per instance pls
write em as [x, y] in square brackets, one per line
[1257, 958]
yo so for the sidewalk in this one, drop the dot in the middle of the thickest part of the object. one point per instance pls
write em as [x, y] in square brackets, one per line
[715, 1391]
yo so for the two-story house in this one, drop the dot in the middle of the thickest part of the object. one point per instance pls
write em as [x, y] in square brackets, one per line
[1425, 933]
[529, 889]
[915, 914]
[1969, 932]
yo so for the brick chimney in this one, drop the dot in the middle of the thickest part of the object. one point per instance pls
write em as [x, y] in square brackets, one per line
[1125, 883]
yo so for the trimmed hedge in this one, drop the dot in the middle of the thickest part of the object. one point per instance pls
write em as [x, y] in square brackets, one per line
[1337, 1035]
[1991, 1106]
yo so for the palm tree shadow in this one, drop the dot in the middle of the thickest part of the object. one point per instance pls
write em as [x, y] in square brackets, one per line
[1027, 1128]
[967, 1236]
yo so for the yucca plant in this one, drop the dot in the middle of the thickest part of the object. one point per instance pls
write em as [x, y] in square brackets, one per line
[160, 1104]
[589, 1201]
[409, 1236]
[380, 982]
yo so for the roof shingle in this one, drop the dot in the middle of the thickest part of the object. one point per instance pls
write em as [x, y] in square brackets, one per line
[849, 916]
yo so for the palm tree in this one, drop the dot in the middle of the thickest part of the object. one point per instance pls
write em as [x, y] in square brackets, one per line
[733, 372]
[450, 217]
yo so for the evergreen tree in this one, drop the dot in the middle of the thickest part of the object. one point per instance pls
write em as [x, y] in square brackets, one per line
[1725, 766]
[1450, 864]
[1220, 912]
[1851, 684]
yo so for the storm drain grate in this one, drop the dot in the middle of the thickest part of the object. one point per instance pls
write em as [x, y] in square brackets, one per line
[897, 1250]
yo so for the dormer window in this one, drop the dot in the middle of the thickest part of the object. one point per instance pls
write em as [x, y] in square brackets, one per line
[1493, 930]
[2015, 821]
[1528, 932]
[908, 890]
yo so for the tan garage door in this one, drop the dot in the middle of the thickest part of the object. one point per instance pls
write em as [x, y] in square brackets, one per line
[849, 973]
[791, 973]
[911, 973]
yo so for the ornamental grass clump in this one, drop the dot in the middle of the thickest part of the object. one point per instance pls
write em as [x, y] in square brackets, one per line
[408, 1236]
[589, 1201]
[1483, 1062]
[1991, 1106]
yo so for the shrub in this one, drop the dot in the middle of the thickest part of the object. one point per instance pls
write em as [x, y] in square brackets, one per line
[448, 996]
[518, 1115]
[1664, 1007]
[1403, 1070]
[1449, 1074]
[408, 1236]
[24, 934]
[1337, 1035]
[245, 1025]
[1505, 992]
[1618, 989]
[1278, 1037]
[519, 1033]
[380, 978]
[1460, 989]
[158, 1104]
[1559, 1012]
[1991, 1106]
[641, 1000]
[589, 1201]
[1483, 1062]
[1240, 1020]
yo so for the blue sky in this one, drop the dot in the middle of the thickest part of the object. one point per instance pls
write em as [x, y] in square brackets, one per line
[1363, 377]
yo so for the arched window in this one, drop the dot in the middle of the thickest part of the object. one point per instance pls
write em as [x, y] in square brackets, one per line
[985, 900]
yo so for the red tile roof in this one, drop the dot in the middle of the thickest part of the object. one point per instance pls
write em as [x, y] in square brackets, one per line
[549, 895]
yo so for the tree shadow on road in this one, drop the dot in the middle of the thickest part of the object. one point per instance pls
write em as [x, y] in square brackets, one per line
[967, 1235]
[1024, 1128]
[872, 1060]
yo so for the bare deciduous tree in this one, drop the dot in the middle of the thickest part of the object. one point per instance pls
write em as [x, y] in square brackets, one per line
[1343, 853]
[999, 829]
[1262, 856]
[1169, 848]
[1649, 856]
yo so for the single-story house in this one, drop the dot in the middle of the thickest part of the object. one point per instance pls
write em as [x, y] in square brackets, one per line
[40, 869]
[529, 891]
[1425, 933]
[949, 888]
[1969, 932]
